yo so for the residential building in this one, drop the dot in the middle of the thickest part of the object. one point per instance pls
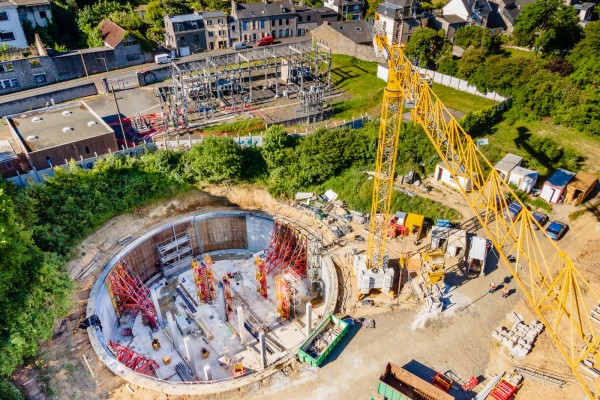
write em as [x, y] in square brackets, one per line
[37, 12]
[475, 12]
[11, 31]
[127, 51]
[450, 24]
[10, 164]
[399, 19]
[185, 34]
[309, 18]
[347, 9]
[351, 38]
[53, 135]
[509, 10]
[216, 28]
[584, 12]
[257, 20]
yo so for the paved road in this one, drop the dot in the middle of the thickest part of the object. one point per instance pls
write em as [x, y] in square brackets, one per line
[129, 74]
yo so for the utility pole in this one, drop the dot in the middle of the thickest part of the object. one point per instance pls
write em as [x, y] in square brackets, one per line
[119, 116]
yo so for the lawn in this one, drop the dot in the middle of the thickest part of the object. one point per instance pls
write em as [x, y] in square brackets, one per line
[460, 101]
[519, 53]
[359, 79]
[508, 136]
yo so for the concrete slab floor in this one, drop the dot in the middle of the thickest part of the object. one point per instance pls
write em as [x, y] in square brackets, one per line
[457, 339]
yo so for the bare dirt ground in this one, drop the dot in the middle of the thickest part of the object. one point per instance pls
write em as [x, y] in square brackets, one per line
[458, 339]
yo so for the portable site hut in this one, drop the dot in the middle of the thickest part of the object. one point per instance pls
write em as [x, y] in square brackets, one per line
[414, 223]
[457, 243]
[439, 237]
[524, 179]
[507, 164]
[580, 187]
[555, 185]
[443, 174]
[477, 254]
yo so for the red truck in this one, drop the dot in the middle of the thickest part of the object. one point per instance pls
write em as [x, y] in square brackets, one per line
[267, 40]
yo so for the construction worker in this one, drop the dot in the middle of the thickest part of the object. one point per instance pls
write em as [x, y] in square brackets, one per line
[505, 292]
[492, 288]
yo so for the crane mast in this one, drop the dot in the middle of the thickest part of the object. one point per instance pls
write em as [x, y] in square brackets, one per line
[560, 296]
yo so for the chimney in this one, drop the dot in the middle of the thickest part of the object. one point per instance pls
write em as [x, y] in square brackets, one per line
[233, 6]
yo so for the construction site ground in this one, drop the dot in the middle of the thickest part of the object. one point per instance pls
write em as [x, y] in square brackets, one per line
[458, 339]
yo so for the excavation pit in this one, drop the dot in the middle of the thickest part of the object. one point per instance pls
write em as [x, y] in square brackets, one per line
[198, 328]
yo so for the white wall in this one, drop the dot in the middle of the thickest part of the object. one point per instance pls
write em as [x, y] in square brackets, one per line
[444, 175]
[34, 17]
[13, 24]
[551, 194]
[456, 7]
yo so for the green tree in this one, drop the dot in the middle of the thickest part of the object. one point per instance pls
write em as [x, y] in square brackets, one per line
[216, 159]
[34, 288]
[549, 25]
[479, 38]
[427, 46]
[275, 143]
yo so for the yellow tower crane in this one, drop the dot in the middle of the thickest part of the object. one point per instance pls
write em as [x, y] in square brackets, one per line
[560, 296]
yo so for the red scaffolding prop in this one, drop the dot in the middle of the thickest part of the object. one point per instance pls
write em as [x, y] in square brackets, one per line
[130, 294]
[287, 249]
[203, 278]
[261, 277]
[283, 297]
[133, 360]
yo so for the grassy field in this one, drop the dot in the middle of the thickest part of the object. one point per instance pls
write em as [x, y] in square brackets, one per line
[359, 79]
[460, 101]
[519, 53]
[354, 187]
[507, 137]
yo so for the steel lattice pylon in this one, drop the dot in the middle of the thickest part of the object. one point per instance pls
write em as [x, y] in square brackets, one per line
[132, 360]
[560, 296]
[129, 293]
[261, 277]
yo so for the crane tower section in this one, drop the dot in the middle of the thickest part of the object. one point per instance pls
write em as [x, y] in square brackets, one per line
[561, 297]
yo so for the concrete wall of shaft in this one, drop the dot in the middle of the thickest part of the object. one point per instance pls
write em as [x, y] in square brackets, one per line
[217, 232]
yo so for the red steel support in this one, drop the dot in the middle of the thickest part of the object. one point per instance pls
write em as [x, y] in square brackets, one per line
[130, 294]
[287, 249]
[203, 278]
[132, 360]
[261, 277]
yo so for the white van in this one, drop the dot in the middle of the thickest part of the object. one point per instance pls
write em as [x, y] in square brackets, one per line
[240, 45]
[163, 58]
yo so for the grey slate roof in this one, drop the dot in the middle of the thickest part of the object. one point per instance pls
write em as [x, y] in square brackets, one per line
[213, 14]
[185, 18]
[261, 9]
[357, 31]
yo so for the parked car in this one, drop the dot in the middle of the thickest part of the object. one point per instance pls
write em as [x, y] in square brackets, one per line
[241, 46]
[540, 218]
[556, 229]
[265, 41]
[513, 211]
[163, 58]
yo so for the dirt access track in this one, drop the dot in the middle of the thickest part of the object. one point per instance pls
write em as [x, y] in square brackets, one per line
[457, 339]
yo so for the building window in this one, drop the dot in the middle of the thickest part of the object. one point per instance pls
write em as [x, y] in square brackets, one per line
[39, 78]
[49, 161]
[9, 83]
[262, 24]
[8, 165]
[3, 16]
[220, 21]
[87, 150]
[232, 28]
[43, 14]
[209, 22]
[287, 21]
[211, 34]
[280, 22]
[6, 67]
[133, 56]
[129, 42]
[35, 63]
[244, 27]
[308, 18]
[300, 18]
[6, 36]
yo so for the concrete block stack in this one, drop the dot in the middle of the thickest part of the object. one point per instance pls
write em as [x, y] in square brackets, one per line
[520, 337]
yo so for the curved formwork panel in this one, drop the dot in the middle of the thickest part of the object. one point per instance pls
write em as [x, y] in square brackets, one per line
[185, 308]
